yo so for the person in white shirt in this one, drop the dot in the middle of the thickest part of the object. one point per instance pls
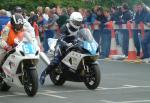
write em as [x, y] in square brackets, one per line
[45, 15]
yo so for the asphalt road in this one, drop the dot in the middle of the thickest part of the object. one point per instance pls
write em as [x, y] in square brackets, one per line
[120, 83]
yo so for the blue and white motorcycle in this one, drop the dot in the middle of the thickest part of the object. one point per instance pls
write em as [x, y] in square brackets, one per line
[79, 63]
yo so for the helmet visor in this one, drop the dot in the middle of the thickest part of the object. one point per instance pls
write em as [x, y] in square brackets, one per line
[77, 23]
[72, 29]
[18, 27]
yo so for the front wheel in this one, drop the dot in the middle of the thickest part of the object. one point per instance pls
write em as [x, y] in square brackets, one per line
[31, 82]
[93, 76]
[57, 77]
[3, 85]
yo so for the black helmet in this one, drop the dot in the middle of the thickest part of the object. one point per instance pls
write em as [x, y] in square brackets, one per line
[17, 22]
[18, 9]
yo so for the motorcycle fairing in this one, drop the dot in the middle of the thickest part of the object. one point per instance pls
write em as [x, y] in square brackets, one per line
[91, 46]
[73, 59]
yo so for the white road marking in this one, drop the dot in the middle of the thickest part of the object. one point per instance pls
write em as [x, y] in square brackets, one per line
[51, 95]
[116, 88]
[137, 86]
[82, 90]
[23, 94]
[136, 101]
[7, 96]
[18, 93]
[67, 91]
[119, 61]
[99, 88]
[51, 92]
[130, 86]
[123, 87]
[13, 95]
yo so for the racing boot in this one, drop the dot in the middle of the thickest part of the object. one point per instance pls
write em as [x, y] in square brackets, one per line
[54, 63]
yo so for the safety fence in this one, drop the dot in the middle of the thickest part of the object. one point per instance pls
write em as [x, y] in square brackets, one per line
[115, 51]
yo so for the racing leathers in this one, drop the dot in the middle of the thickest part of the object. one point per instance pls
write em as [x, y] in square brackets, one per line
[7, 39]
[66, 40]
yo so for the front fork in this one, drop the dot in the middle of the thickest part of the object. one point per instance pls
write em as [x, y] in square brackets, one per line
[85, 69]
[24, 71]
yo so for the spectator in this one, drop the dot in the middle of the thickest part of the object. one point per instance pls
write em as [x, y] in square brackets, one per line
[96, 8]
[41, 22]
[96, 24]
[89, 21]
[32, 13]
[25, 15]
[4, 19]
[50, 28]
[107, 34]
[126, 13]
[126, 16]
[70, 10]
[116, 18]
[45, 15]
[31, 17]
[54, 10]
[146, 39]
[140, 14]
[39, 10]
[58, 10]
[104, 33]
[82, 11]
[33, 22]
[116, 14]
[62, 17]
[3, 12]
[90, 18]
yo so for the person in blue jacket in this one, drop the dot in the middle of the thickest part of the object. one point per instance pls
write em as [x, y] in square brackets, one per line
[146, 39]
[4, 19]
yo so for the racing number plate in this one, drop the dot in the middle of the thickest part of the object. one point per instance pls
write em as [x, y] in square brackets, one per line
[28, 48]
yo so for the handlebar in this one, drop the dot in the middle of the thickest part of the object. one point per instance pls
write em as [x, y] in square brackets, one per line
[11, 51]
[74, 45]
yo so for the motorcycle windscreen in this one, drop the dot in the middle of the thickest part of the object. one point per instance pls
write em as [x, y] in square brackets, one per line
[88, 41]
[52, 43]
[85, 35]
[91, 46]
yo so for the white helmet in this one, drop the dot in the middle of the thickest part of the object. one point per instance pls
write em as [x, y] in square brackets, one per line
[75, 20]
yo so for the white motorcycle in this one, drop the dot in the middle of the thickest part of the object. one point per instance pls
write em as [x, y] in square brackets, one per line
[19, 68]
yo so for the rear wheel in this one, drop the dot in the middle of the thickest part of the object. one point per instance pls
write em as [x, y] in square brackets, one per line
[31, 82]
[57, 77]
[93, 76]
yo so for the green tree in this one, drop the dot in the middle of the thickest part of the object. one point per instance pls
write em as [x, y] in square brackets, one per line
[32, 4]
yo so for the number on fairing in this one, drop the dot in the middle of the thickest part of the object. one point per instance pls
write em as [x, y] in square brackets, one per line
[28, 48]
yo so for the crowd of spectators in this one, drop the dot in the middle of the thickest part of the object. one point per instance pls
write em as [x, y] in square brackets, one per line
[48, 21]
